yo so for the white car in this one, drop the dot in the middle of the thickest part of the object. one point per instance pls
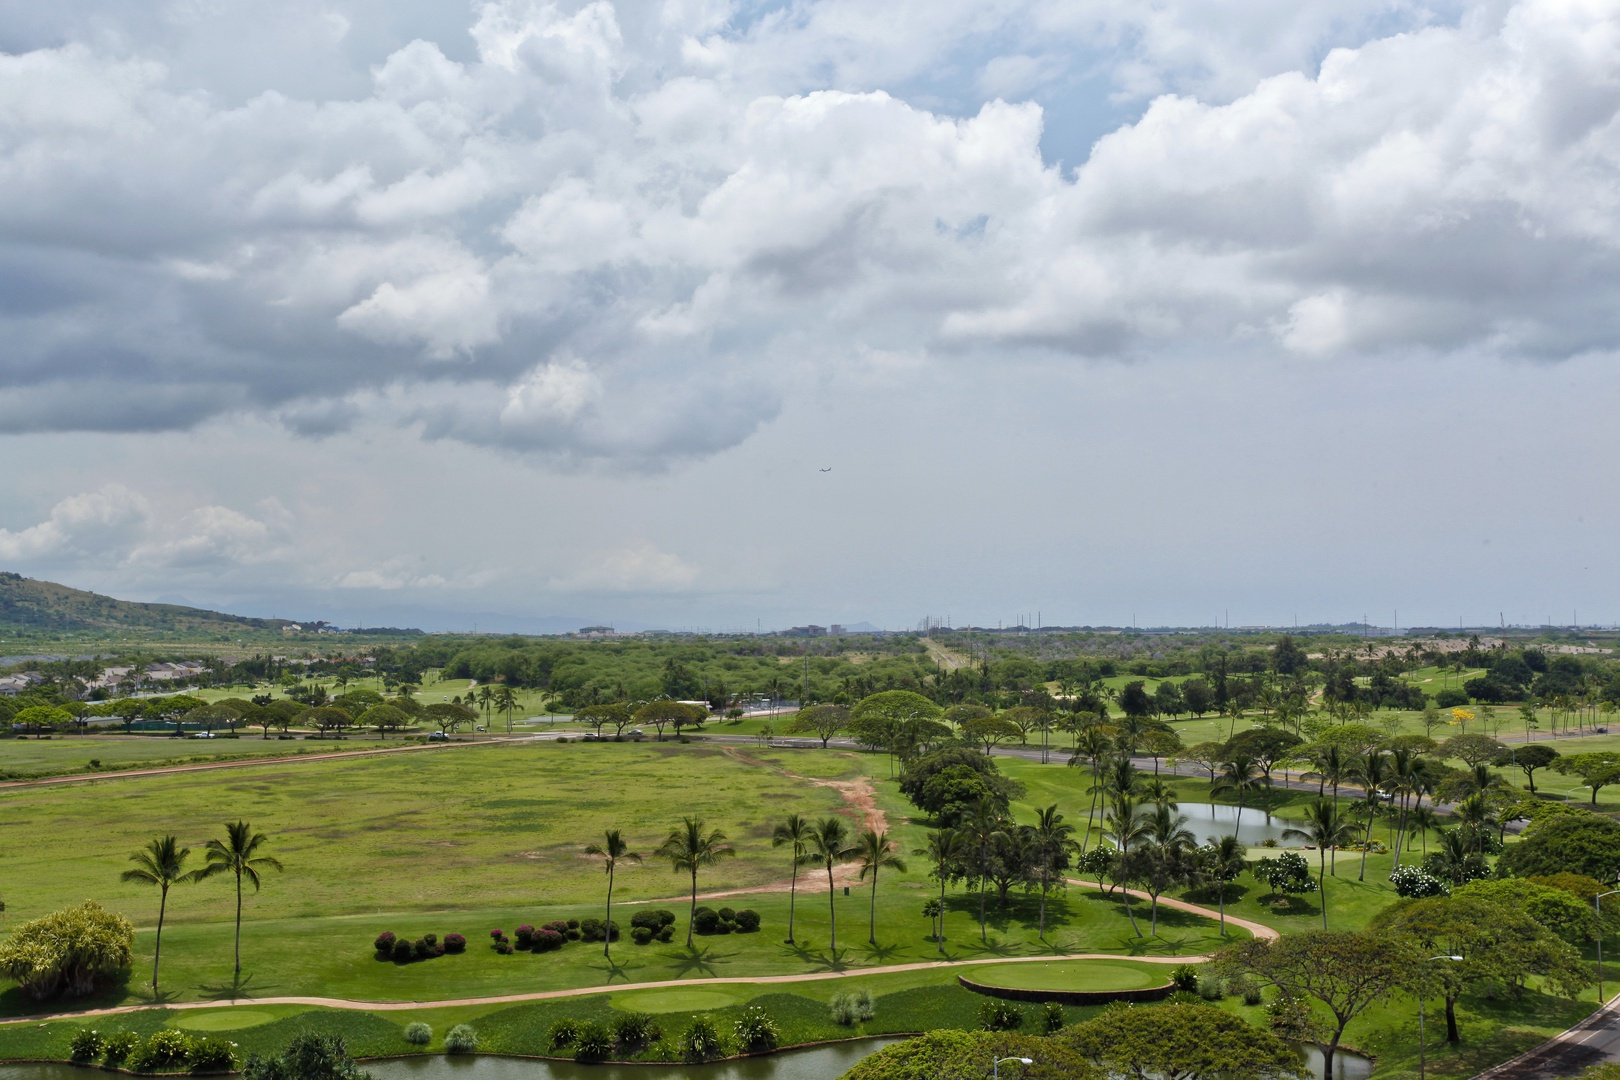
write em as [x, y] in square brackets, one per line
[202, 735]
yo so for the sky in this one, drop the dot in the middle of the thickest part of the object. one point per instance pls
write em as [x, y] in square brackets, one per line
[725, 315]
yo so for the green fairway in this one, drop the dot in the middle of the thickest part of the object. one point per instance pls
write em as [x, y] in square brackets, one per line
[1071, 975]
[63, 755]
[683, 1000]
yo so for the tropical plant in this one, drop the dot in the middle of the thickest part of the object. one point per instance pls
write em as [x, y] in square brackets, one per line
[238, 856]
[1053, 845]
[691, 847]
[68, 951]
[1225, 858]
[981, 830]
[793, 830]
[1239, 775]
[827, 846]
[1328, 828]
[162, 862]
[943, 848]
[876, 851]
[612, 850]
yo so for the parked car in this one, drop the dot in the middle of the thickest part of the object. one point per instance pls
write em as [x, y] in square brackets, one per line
[438, 736]
[202, 735]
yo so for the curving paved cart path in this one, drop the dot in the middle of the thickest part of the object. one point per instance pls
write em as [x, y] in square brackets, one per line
[1258, 929]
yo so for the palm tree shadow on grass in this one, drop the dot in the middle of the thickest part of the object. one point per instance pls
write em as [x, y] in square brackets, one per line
[240, 988]
[880, 954]
[695, 960]
[824, 961]
[994, 947]
[614, 970]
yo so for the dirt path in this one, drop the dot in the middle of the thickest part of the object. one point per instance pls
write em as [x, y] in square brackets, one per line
[859, 797]
[944, 657]
[583, 991]
[1259, 930]
[289, 759]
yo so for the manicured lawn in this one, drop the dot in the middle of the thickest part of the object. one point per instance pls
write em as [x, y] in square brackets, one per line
[62, 755]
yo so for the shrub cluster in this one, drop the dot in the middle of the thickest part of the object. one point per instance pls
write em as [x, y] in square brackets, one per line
[1416, 882]
[998, 1015]
[700, 1041]
[596, 930]
[756, 1031]
[706, 920]
[461, 1039]
[165, 1050]
[418, 1033]
[403, 951]
[646, 926]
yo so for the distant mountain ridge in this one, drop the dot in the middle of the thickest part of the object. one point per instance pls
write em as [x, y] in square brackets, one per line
[44, 605]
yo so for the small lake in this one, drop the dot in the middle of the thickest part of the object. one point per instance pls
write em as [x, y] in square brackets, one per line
[1205, 820]
[1346, 1065]
[813, 1063]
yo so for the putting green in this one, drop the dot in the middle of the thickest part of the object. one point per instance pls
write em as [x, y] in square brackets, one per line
[1071, 975]
[683, 1000]
[220, 1019]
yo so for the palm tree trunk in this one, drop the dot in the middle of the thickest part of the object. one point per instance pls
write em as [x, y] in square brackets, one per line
[238, 926]
[1091, 812]
[871, 923]
[607, 917]
[157, 947]
[693, 913]
[1366, 842]
[939, 939]
[1321, 883]
[1125, 890]
[1044, 887]
[1222, 886]
[793, 888]
[982, 871]
[832, 913]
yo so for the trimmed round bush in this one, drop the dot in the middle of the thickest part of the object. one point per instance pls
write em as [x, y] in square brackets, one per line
[546, 941]
[559, 926]
[592, 1042]
[86, 1045]
[747, 921]
[497, 935]
[422, 948]
[461, 1039]
[727, 915]
[454, 943]
[573, 924]
[523, 936]
[402, 951]
[418, 1033]
[641, 935]
[573, 933]
[504, 948]
[667, 934]
[385, 943]
[654, 920]
[705, 920]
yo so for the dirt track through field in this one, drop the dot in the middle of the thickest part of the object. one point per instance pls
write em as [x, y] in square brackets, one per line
[860, 798]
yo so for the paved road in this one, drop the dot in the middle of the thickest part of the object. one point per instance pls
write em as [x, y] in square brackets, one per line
[1591, 1042]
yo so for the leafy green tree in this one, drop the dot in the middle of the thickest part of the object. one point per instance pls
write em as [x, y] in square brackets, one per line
[41, 720]
[827, 846]
[383, 718]
[1598, 769]
[162, 862]
[987, 731]
[950, 1054]
[1327, 827]
[1568, 914]
[662, 713]
[690, 847]
[612, 851]
[875, 851]
[447, 716]
[616, 713]
[1197, 697]
[1527, 759]
[308, 1056]
[1498, 943]
[1346, 971]
[1134, 700]
[238, 855]
[1181, 1042]
[794, 831]
[1583, 843]
[68, 952]
[824, 721]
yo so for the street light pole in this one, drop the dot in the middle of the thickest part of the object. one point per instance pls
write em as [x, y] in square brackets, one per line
[1597, 902]
[1422, 1045]
[995, 1066]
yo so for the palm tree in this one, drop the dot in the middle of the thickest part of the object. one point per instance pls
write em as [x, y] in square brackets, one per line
[1092, 744]
[1228, 860]
[1054, 841]
[1168, 842]
[162, 863]
[943, 848]
[1372, 772]
[1238, 776]
[829, 845]
[1124, 829]
[982, 828]
[794, 830]
[238, 856]
[506, 701]
[689, 848]
[611, 850]
[1326, 826]
[1423, 820]
[876, 851]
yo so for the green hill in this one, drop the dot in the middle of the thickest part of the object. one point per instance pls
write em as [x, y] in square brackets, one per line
[26, 604]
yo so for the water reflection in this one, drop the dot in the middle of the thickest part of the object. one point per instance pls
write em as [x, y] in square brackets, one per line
[1213, 819]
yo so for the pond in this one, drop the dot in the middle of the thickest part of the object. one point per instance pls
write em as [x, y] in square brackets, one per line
[1346, 1065]
[813, 1063]
[1212, 819]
